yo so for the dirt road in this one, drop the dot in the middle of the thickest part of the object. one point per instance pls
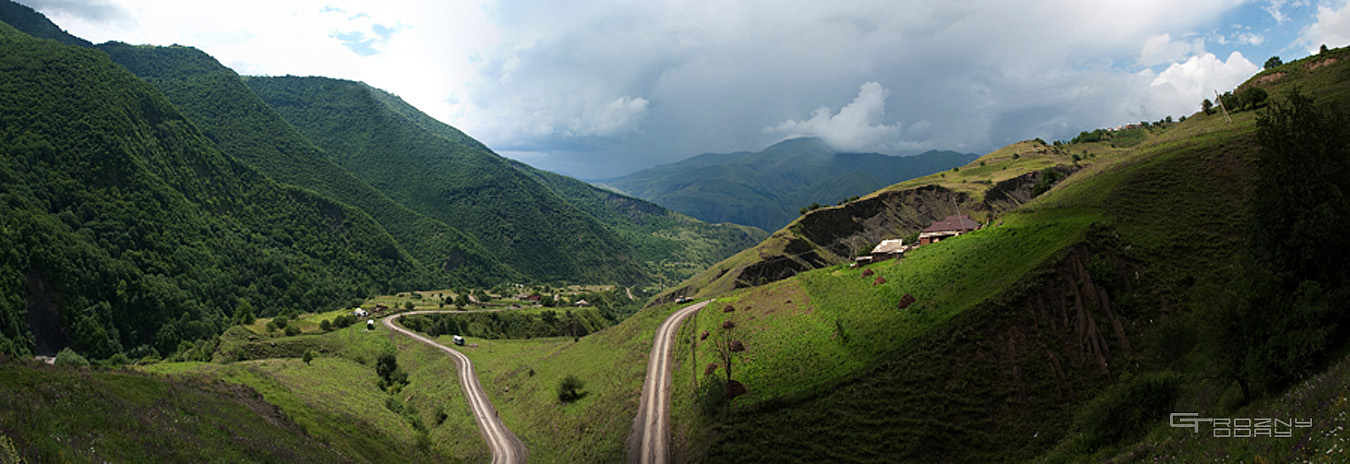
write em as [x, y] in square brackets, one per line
[506, 448]
[651, 427]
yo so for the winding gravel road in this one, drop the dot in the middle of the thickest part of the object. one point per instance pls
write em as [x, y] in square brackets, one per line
[506, 448]
[651, 429]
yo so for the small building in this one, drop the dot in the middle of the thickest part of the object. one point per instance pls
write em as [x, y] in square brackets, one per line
[887, 249]
[581, 303]
[358, 312]
[950, 227]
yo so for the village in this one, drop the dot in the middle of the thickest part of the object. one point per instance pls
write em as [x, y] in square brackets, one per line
[949, 227]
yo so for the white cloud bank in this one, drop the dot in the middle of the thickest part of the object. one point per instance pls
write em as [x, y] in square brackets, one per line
[1331, 29]
[858, 126]
[1179, 89]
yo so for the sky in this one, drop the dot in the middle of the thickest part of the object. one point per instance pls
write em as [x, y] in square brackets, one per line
[603, 88]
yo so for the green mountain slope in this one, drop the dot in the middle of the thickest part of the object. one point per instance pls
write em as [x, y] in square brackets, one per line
[227, 112]
[123, 229]
[767, 188]
[446, 175]
[1074, 322]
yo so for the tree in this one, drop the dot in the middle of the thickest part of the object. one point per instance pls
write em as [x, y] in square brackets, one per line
[1252, 97]
[1323, 51]
[309, 356]
[1274, 61]
[68, 357]
[325, 325]
[728, 347]
[1207, 106]
[243, 312]
[569, 389]
[392, 377]
[1280, 318]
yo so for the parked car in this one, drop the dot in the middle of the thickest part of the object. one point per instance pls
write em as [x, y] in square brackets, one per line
[459, 340]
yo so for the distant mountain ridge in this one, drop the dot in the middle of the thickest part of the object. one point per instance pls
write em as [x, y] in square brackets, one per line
[767, 188]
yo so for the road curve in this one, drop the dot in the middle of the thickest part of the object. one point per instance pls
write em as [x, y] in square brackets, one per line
[506, 448]
[651, 424]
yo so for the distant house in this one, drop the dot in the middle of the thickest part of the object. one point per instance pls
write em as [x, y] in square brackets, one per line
[581, 303]
[360, 313]
[950, 227]
[888, 249]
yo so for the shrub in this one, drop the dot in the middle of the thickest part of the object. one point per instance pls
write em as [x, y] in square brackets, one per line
[392, 377]
[712, 394]
[1126, 410]
[292, 331]
[1049, 176]
[325, 325]
[68, 357]
[569, 389]
[309, 356]
[281, 321]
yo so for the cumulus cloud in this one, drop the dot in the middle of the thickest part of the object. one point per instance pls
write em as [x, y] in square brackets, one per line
[857, 126]
[1179, 88]
[1161, 49]
[1331, 29]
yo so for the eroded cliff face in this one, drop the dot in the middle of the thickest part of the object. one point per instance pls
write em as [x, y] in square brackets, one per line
[836, 234]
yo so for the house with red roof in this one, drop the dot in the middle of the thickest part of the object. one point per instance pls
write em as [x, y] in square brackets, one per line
[950, 227]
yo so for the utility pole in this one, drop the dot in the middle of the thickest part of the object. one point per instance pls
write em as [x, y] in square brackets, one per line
[1222, 107]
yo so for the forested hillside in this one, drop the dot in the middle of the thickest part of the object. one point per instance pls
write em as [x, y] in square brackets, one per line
[227, 112]
[769, 188]
[124, 230]
[447, 175]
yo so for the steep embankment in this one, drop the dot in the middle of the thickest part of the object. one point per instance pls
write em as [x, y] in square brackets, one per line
[1072, 325]
[995, 183]
[227, 112]
[765, 189]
